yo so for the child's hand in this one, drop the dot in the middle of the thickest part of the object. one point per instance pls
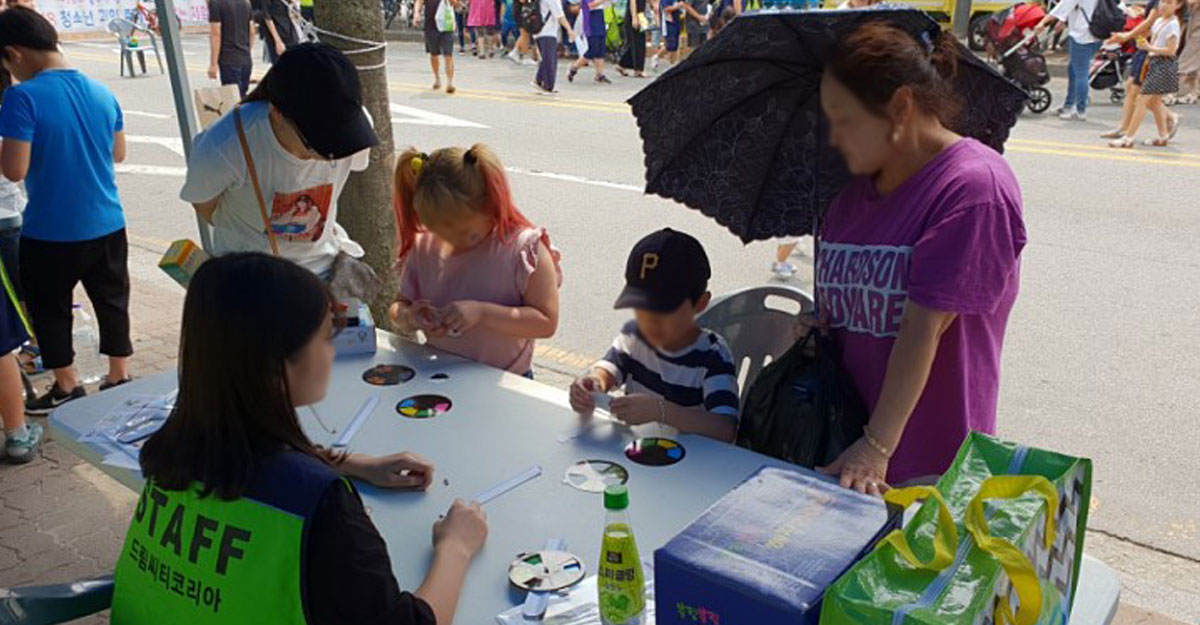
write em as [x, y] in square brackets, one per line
[460, 317]
[581, 394]
[423, 316]
[637, 409]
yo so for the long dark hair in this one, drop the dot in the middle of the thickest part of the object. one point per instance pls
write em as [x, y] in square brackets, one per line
[877, 59]
[244, 316]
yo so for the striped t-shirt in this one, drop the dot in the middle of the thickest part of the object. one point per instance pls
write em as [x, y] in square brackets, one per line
[701, 374]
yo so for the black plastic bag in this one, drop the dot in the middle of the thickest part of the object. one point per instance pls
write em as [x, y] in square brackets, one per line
[803, 409]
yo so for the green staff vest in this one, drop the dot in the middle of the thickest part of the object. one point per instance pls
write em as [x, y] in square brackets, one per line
[198, 560]
[306, 3]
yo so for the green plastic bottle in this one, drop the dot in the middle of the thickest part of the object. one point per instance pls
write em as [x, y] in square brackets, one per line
[620, 576]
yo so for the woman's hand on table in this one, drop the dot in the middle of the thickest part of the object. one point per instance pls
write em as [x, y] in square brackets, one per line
[862, 468]
[403, 471]
[463, 529]
[637, 409]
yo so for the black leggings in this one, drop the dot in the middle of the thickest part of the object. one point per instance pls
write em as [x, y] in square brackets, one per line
[50, 270]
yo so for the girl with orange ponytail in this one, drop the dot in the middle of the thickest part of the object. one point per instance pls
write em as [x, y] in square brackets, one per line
[476, 276]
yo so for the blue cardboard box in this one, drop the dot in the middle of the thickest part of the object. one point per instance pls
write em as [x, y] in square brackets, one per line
[765, 552]
[358, 337]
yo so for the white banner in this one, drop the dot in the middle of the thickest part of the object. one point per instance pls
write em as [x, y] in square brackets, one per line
[80, 16]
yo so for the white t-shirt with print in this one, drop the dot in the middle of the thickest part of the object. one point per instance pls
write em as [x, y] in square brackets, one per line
[551, 11]
[301, 195]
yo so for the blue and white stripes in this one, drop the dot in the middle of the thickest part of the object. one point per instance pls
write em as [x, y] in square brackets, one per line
[702, 374]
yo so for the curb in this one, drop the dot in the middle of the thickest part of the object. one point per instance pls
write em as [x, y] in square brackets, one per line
[408, 35]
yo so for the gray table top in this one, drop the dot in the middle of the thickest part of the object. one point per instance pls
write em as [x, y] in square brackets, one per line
[500, 424]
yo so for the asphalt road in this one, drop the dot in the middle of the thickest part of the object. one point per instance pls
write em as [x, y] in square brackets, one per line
[1103, 353]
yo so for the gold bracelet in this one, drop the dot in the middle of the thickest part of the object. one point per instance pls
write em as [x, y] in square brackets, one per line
[874, 443]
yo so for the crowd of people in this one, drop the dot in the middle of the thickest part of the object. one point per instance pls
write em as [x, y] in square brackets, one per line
[1164, 69]
[588, 32]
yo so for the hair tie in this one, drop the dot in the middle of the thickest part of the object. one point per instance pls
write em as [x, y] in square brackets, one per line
[418, 163]
[469, 156]
[927, 40]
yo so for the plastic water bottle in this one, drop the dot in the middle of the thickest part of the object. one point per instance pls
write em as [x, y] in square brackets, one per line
[620, 579]
[85, 338]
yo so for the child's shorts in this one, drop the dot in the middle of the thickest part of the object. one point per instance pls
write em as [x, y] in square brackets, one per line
[672, 36]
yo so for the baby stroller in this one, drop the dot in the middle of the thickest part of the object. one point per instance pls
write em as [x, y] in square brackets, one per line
[1111, 66]
[1012, 42]
[1108, 71]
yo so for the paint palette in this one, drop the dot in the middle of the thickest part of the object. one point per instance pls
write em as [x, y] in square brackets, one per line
[655, 452]
[424, 406]
[545, 571]
[593, 476]
[388, 375]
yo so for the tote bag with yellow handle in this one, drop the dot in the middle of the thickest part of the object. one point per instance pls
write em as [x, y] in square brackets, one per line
[999, 541]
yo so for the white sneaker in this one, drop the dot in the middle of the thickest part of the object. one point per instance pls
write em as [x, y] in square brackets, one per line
[528, 61]
[784, 271]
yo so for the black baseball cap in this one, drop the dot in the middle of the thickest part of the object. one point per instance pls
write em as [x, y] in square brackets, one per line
[664, 269]
[317, 87]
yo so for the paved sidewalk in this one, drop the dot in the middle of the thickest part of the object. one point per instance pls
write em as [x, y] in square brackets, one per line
[62, 519]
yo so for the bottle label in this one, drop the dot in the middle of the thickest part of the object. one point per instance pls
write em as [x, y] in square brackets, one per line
[620, 577]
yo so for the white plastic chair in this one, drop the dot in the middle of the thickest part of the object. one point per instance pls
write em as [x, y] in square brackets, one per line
[758, 323]
[124, 31]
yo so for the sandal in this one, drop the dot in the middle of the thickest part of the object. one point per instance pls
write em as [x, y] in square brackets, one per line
[1123, 143]
[571, 74]
[1157, 142]
[451, 89]
[1113, 134]
[1172, 126]
[622, 71]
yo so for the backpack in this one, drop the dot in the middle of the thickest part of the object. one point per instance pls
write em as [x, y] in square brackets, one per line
[531, 17]
[1107, 18]
[803, 409]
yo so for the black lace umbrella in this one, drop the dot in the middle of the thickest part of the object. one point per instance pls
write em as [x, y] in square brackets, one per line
[736, 131]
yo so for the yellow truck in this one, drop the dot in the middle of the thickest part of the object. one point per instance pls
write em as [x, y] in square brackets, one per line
[943, 12]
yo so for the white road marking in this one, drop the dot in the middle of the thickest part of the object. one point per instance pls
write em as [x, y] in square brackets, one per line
[573, 178]
[147, 114]
[176, 146]
[420, 117]
[151, 170]
[173, 144]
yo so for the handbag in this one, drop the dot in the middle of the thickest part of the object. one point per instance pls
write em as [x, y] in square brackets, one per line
[803, 409]
[998, 541]
[214, 102]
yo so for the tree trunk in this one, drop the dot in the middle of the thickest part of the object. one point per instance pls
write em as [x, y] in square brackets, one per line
[365, 206]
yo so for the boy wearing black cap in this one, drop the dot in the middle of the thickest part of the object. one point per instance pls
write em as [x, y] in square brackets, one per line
[305, 130]
[674, 372]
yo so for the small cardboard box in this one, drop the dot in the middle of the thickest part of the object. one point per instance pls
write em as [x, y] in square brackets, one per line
[766, 552]
[358, 337]
[182, 260]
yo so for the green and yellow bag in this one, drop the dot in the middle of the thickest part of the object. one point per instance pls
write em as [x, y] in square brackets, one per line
[998, 541]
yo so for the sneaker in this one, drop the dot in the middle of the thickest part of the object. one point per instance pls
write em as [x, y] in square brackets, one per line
[1068, 114]
[528, 61]
[514, 56]
[53, 398]
[105, 385]
[571, 74]
[25, 450]
[784, 271]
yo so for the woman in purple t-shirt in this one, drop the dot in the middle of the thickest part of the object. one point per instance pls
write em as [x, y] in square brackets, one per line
[917, 268]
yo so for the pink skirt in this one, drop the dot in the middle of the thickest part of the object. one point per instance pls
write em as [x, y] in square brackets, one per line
[481, 14]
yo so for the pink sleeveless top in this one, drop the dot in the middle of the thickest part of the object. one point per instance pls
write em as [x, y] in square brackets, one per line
[493, 271]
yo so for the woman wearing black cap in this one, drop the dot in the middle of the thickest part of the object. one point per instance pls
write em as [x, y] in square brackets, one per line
[304, 130]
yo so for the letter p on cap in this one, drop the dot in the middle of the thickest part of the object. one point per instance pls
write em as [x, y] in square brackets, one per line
[649, 262]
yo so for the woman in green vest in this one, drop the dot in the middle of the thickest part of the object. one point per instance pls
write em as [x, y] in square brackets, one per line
[242, 518]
